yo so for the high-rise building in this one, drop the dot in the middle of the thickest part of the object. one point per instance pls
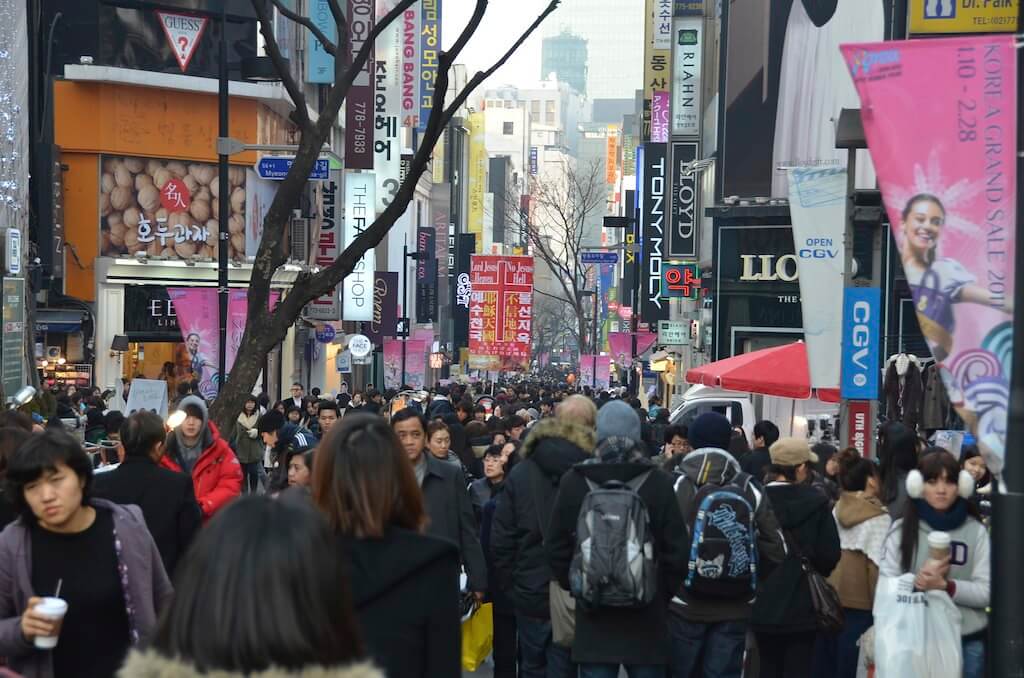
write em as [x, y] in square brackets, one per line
[614, 35]
[565, 55]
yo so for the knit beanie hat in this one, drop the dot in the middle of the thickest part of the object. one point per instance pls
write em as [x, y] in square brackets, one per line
[616, 418]
[710, 429]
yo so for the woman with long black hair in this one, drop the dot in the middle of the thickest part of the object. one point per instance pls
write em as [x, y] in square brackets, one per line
[897, 456]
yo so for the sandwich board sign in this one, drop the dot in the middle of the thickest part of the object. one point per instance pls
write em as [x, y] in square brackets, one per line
[147, 394]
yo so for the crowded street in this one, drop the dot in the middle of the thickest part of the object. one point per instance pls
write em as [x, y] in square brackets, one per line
[511, 339]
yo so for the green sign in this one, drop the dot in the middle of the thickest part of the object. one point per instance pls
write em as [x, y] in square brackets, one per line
[12, 349]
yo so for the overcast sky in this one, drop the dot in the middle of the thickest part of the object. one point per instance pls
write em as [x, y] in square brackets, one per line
[504, 22]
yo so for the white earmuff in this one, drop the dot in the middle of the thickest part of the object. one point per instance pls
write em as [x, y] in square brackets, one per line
[965, 484]
[915, 484]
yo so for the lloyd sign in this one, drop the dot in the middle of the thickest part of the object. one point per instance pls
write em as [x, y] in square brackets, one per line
[682, 241]
[861, 314]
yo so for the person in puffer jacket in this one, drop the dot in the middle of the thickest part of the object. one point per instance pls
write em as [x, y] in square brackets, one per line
[863, 523]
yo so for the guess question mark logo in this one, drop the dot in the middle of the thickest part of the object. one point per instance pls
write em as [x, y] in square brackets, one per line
[183, 43]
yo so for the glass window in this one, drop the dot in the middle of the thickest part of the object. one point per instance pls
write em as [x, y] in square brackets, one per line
[508, 128]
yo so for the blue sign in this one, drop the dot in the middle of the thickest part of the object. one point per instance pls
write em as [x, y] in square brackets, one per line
[320, 64]
[276, 167]
[533, 161]
[326, 334]
[599, 257]
[862, 315]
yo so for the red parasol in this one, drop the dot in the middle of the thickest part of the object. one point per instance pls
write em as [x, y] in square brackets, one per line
[778, 371]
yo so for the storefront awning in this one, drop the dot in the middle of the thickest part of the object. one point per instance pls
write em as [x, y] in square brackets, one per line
[58, 320]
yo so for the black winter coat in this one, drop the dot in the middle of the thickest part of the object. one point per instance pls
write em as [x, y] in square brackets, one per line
[167, 500]
[405, 590]
[756, 463]
[783, 602]
[520, 565]
[622, 635]
[450, 514]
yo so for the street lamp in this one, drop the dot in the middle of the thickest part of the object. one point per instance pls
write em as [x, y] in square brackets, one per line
[625, 222]
[414, 256]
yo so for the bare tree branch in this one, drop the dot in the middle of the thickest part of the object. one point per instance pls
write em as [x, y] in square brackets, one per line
[300, 115]
[329, 46]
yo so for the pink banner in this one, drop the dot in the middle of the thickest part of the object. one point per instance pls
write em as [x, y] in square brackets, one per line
[660, 105]
[196, 308]
[940, 121]
[621, 344]
[587, 371]
[415, 363]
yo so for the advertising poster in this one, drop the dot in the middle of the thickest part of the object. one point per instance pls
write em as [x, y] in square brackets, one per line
[785, 85]
[501, 306]
[430, 55]
[654, 218]
[320, 64]
[621, 346]
[359, 102]
[198, 357]
[387, 108]
[328, 248]
[817, 204]
[477, 178]
[357, 297]
[943, 136]
[411, 67]
[587, 371]
[166, 208]
[415, 363]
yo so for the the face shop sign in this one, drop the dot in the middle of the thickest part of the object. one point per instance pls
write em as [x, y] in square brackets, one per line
[768, 268]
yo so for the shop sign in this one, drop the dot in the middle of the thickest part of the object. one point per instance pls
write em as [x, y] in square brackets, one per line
[360, 213]
[688, 8]
[430, 52]
[385, 307]
[183, 33]
[343, 362]
[462, 289]
[12, 347]
[501, 306]
[134, 215]
[686, 76]
[533, 161]
[683, 238]
[319, 63]
[411, 21]
[12, 251]
[359, 102]
[657, 53]
[359, 345]
[387, 109]
[477, 178]
[325, 334]
[858, 421]
[680, 281]
[673, 332]
[426, 275]
[328, 248]
[149, 314]
[769, 268]
[653, 214]
[862, 310]
[963, 16]
[660, 106]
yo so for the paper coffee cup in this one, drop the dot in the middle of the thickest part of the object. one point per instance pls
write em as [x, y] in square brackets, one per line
[938, 545]
[55, 609]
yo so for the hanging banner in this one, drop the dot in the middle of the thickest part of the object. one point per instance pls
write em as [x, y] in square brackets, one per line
[587, 371]
[660, 105]
[611, 154]
[462, 288]
[387, 108]
[653, 219]
[411, 67]
[385, 307]
[501, 306]
[359, 102]
[657, 52]
[621, 345]
[426, 275]
[320, 64]
[197, 358]
[942, 132]
[357, 297]
[817, 205]
[430, 54]
[477, 178]
[685, 216]
[328, 248]
[686, 76]
[415, 363]
[963, 16]
[238, 313]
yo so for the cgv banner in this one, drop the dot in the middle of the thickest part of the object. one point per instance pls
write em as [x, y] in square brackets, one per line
[817, 204]
[941, 128]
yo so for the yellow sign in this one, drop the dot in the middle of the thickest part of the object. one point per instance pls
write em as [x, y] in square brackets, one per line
[477, 178]
[611, 159]
[656, 63]
[963, 16]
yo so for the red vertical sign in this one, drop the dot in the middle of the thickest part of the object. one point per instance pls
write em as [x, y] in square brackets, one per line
[359, 103]
[501, 306]
[858, 423]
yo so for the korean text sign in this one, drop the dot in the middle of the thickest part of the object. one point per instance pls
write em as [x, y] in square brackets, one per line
[501, 306]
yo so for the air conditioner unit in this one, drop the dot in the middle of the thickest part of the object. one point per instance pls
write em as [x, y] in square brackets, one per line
[299, 240]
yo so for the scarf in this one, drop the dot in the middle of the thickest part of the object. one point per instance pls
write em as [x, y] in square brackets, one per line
[250, 421]
[945, 522]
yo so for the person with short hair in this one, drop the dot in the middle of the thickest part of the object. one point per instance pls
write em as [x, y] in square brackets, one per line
[327, 415]
[214, 625]
[100, 553]
[166, 498]
[755, 463]
[405, 582]
[296, 398]
[282, 437]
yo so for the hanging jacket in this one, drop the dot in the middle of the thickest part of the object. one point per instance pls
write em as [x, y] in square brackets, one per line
[216, 475]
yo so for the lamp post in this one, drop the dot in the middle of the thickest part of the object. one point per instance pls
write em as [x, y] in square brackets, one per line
[414, 256]
[633, 248]
[593, 336]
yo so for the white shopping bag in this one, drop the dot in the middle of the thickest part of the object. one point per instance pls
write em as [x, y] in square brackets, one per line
[916, 634]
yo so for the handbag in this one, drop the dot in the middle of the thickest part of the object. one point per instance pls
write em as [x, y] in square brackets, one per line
[560, 602]
[828, 610]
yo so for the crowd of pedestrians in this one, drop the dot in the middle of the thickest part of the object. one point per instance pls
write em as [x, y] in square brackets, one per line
[350, 537]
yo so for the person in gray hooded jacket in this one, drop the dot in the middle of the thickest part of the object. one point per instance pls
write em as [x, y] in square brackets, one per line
[713, 627]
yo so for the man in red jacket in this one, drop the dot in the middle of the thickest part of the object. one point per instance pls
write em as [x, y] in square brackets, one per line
[196, 448]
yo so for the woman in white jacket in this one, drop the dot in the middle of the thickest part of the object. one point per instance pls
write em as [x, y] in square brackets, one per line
[939, 491]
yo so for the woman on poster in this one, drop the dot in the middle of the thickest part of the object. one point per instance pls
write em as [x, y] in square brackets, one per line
[937, 283]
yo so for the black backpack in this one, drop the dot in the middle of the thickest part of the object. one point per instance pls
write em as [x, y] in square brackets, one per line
[723, 548]
[614, 563]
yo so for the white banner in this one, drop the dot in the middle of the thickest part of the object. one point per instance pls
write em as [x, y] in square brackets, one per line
[687, 46]
[387, 108]
[360, 213]
[817, 204]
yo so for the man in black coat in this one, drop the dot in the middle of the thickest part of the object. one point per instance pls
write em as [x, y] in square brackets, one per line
[523, 512]
[445, 497]
[757, 462]
[607, 637]
[166, 498]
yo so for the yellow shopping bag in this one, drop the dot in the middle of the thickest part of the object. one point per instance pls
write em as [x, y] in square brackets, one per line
[477, 637]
